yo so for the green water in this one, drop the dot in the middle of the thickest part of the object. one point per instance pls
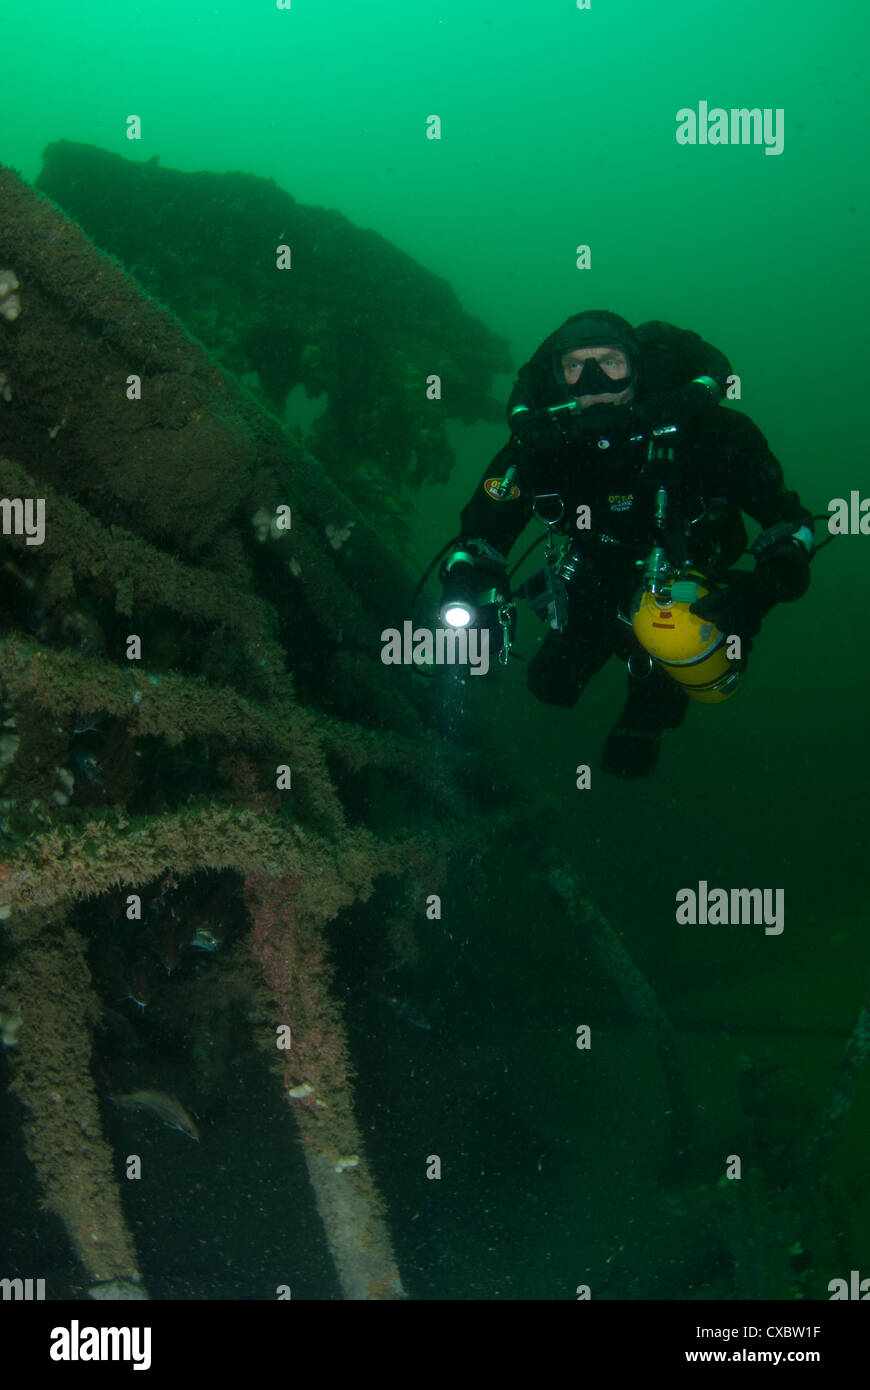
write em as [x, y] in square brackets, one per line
[558, 129]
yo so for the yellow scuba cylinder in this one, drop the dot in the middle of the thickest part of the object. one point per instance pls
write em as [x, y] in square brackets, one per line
[690, 650]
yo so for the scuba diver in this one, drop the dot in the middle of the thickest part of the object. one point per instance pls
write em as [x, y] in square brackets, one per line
[619, 449]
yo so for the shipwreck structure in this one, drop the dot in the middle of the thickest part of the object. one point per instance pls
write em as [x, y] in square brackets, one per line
[194, 708]
[350, 319]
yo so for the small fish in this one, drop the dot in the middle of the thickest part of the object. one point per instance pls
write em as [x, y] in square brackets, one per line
[94, 726]
[88, 767]
[203, 939]
[137, 984]
[406, 1012]
[165, 960]
[166, 1108]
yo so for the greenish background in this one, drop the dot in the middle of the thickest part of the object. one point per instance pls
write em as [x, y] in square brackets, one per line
[558, 129]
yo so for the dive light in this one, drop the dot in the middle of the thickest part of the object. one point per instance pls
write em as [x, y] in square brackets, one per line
[471, 583]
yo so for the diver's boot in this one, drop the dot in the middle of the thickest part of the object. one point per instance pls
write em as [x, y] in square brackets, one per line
[654, 703]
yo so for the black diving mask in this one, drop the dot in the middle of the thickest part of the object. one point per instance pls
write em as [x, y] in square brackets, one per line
[593, 380]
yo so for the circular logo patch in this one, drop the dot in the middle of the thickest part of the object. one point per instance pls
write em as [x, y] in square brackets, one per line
[492, 484]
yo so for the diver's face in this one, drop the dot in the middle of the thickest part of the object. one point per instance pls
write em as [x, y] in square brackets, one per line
[612, 361]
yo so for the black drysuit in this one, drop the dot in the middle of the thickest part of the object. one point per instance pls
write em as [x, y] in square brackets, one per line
[724, 467]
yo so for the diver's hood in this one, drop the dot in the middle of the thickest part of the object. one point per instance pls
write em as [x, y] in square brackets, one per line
[542, 376]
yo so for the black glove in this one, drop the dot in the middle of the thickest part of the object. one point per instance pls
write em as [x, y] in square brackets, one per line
[784, 569]
[780, 576]
[541, 430]
[535, 430]
[548, 432]
[621, 422]
[737, 607]
[677, 407]
[614, 422]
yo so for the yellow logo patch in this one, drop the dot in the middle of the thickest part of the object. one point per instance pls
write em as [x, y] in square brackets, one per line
[492, 484]
[620, 501]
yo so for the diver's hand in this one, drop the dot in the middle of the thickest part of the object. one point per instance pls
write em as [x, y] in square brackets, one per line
[547, 431]
[663, 410]
[737, 607]
[667, 411]
[611, 422]
[535, 430]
